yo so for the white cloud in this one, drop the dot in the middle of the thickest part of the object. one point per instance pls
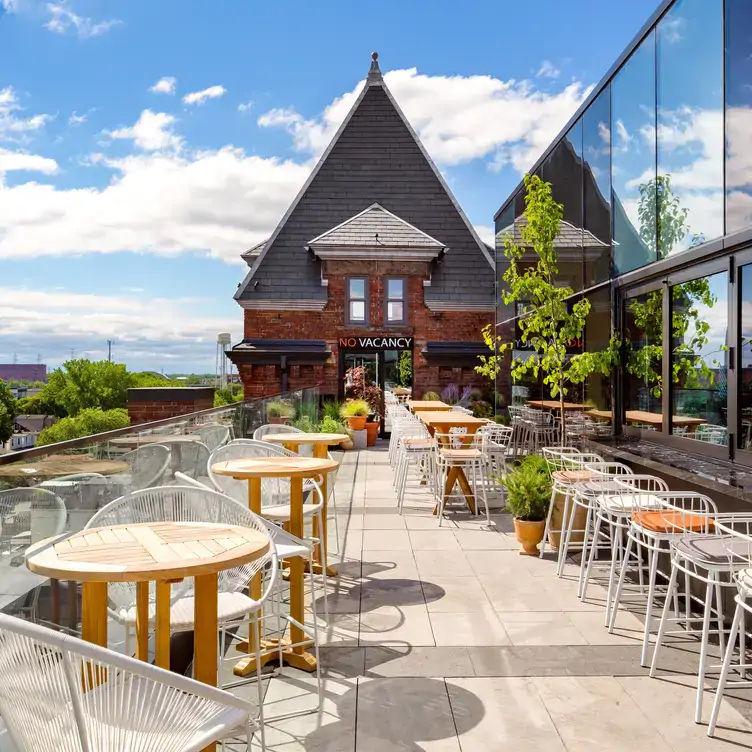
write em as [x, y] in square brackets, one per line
[9, 5]
[199, 97]
[151, 132]
[13, 127]
[144, 329]
[458, 118]
[245, 106]
[15, 160]
[548, 70]
[165, 85]
[75, 119]
[63, 19]
[215, 202]
[486, 234]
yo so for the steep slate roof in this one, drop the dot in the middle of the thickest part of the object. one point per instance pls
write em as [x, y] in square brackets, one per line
[374, 157]
[253, 253]
[377, 232]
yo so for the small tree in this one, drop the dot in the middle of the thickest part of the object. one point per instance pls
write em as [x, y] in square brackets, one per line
[7, 413]
[548, 321]
[405, 368]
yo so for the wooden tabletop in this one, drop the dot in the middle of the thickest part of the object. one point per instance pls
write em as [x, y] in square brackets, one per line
[643, 416]
[146, 551]
[449, 418]
[274, 467]
[436, 405]
[556, 405]
[305, 438]
[57, 465]
[137, 441]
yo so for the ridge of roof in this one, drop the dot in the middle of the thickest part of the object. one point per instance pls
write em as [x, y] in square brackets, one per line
[373, 79]
[377, 207]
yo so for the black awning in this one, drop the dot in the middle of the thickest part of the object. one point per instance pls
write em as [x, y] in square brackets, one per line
[272, 351]
[454, 354]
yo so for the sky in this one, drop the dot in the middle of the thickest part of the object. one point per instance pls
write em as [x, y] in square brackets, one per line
[145, 145]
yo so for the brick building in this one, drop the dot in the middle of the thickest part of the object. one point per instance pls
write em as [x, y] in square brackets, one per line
[373, 258]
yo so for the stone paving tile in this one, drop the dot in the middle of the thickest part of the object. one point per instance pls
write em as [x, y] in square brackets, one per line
[433, 540]
[468, 629]
[419, 661]
[456, 595]
[442, 564]
[404, 625]
[513, 716]
[386, 540]
[629, 629]
[473, 540]
[382, 521]
[540, 628]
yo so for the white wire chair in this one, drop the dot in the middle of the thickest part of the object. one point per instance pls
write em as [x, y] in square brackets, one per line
[213, 435]
[191, 459]
[147, 466]
[261, 431]
[52, 697]
[28, 515]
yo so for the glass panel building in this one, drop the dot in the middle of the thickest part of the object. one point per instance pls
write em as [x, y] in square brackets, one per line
[655, 175]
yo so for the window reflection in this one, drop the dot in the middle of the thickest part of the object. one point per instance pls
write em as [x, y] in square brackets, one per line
[633, 159]
[597, 337]
[738, 114]
[643, 343]
[699, 358]
[689, 186]
[596, 146]
[745, 358]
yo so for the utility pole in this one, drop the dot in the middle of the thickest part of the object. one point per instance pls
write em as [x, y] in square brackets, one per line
[109, 350]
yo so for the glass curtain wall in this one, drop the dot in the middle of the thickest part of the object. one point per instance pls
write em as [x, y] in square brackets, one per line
[738, 114]
[689, 187]
[745, 358]
[597, 336]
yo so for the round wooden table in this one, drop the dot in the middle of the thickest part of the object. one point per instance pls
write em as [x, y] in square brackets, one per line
[163, 552]
[320, 443]
[297, 469]
[58, 465]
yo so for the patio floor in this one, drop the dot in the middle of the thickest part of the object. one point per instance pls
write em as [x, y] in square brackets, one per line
[446, 639]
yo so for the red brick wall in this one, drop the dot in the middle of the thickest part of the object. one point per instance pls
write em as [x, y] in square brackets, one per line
[158, 403]
[421, 324]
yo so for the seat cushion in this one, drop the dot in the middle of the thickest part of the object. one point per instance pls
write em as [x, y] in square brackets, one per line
[626, 502]
[573, 476]
[670, 521]
[714, 549]
[461, 454]
[282, 512]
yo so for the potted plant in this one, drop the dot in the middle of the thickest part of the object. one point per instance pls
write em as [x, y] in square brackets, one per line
[431, 396]
[278, 411]
[333, 425]
[372, 429]
[528, 495]
[355, 411]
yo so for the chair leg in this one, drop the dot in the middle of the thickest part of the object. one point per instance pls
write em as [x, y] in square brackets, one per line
[704, 650]
[584, 555]
[725, 669]
[653, 556]
[549, 517]
[664, 619]
[620, 586]
[567, 521]
[591, 559]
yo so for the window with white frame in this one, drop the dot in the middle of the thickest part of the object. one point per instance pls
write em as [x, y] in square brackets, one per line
[395, 300]
[357, 300]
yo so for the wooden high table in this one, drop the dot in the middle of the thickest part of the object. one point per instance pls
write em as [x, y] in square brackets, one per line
[556, 405]
[652, 419]
[297, 469]
[164, 552]
[443, 422]
[428, 405]
[320, 443]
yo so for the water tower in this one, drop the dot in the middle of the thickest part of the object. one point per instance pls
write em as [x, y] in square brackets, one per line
[223, 342]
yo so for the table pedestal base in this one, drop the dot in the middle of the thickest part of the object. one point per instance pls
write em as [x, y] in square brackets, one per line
[457, 475]
[303, 661]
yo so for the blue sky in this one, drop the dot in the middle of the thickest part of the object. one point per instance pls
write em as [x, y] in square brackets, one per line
[124, 204]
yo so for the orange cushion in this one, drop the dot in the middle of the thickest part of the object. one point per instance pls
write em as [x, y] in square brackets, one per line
[573, 476]
[673, 522]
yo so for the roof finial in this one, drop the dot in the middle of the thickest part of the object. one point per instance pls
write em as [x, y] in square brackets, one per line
[374, 74]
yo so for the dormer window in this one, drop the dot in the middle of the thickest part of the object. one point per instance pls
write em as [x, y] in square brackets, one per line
[357, 300]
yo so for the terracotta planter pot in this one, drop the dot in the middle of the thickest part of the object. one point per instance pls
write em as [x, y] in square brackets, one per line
[580, 517]
[357, 422]
[346, 444]
[278, 419]
[372, 433]
[529, 534]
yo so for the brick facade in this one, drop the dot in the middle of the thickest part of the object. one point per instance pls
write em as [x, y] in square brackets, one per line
[422, 324]
[157, 403]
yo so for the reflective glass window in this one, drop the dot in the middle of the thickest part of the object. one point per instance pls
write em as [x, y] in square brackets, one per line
[597, 337]
[699, 358]
[745, 358]
[689, 186]
[643, 371]
[596, 147]
[395, 300]
[633, 159]
[738, 114]
[563, 169]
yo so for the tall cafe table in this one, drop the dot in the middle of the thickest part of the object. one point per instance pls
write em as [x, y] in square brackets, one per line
[651, 419]
[431, 405]
[443, 422]
[163, 552]
[320, 443]
[297, 469]
[556, 405]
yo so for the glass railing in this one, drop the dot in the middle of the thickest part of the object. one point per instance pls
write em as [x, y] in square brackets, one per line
[56, 489]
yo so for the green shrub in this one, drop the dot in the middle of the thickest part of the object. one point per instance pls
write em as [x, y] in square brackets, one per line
[306, 425]
[331, 408]
[332, 425]
[87, 422]
[431, 396]
[279, 409]
[228, 395]
[355, 408]
[482, 409]
[528, 487]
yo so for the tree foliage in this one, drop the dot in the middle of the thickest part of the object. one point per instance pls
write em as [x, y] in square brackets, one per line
[228, 395]
[85, 423]
[405, 368]
[7, 412]
[549, 322]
